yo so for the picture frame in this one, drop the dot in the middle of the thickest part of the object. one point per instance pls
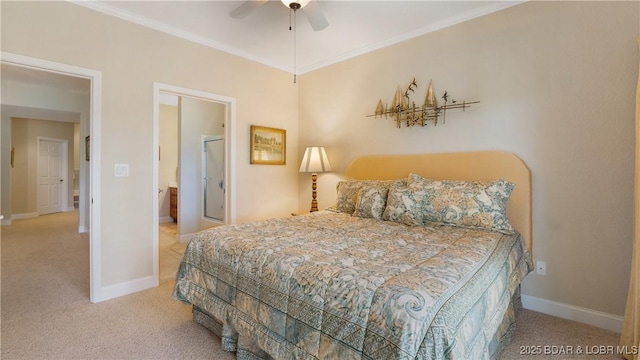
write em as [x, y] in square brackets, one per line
[268, 146]
[87, 148]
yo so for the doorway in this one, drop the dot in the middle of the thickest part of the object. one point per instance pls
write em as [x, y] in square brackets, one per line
[89, 216]
[195, 123]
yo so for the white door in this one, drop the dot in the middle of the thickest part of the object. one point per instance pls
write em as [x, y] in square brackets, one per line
[214, 179]
[50, 177]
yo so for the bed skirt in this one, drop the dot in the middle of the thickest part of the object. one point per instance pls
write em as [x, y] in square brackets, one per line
[246, 349]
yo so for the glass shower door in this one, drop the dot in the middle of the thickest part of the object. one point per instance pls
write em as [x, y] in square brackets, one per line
[214, 179]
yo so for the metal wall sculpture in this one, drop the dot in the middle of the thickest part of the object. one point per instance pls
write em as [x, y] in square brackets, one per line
[404, 111]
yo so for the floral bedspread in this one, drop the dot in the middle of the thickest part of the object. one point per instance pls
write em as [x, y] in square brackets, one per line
[333, 286]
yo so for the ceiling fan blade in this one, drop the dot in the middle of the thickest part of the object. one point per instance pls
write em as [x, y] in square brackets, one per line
[246, 8]
[316, 17]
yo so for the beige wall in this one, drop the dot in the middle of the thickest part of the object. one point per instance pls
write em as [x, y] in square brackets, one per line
[76, 158]
[24, 174]
[5, 169]
[131, 58]
[168, 164]
[556, 81]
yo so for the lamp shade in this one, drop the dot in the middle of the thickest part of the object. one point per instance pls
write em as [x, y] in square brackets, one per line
[315, 160]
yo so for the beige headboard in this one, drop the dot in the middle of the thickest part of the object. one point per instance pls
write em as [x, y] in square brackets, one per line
[482, 165]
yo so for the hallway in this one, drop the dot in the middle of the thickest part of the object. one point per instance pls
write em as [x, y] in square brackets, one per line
[46, 313]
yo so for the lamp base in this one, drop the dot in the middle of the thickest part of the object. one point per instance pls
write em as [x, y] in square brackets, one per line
[314, 186]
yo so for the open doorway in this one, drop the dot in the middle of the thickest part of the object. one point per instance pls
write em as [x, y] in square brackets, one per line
[24, 103]
[179, 172]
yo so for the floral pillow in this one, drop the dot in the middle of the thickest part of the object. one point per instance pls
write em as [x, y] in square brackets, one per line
[371, 201]
[404, 205]
[347, 193]
[472, 204]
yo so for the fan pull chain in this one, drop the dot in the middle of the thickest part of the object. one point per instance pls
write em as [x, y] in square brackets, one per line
[292, 26]
[295, 66]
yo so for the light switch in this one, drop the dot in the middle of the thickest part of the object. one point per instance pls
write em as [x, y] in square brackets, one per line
[121, 170]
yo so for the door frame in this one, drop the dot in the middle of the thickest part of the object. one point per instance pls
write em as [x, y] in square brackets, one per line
[64, 154]
[230, 155]
[96, 291]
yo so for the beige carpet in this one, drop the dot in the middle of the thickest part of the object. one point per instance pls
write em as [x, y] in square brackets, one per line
[46, 312]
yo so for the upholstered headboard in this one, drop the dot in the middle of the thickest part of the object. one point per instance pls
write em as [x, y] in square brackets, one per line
[482, 165]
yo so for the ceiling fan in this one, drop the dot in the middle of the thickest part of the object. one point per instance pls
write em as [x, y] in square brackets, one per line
[310, 8]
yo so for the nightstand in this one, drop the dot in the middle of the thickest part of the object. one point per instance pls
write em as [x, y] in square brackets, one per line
[173, 203]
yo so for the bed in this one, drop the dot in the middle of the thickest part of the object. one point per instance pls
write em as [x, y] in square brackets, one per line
[421, 258]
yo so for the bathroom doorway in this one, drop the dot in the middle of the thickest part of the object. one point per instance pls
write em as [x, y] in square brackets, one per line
[199, 116]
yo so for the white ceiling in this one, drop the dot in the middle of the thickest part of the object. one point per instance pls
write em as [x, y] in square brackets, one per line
[14, 73]
[355, 27]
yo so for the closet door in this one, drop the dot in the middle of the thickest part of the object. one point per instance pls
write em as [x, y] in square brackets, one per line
[50, 177]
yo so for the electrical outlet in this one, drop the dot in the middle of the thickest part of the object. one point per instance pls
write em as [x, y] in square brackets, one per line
[541, 268]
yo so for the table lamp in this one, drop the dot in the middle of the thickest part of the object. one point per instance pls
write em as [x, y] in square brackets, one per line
[314, 161]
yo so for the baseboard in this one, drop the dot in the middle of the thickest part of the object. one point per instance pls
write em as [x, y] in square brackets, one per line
[34, 214]
[576, 313]
[185, 238]
[126, 288]
[24, 216]
[82, 229]
[5, 222]
[165, 219]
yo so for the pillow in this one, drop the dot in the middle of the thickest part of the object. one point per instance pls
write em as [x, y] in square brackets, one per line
[473, 204]
[403, 205]
[332, 208]
[371, 200]
[347, 193]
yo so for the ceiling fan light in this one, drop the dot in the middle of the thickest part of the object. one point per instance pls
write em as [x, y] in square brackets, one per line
[295, 4]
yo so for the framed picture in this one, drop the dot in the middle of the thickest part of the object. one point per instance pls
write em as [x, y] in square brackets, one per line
[268, 146]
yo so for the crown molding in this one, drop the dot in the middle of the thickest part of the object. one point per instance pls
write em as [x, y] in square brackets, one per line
[469, 15]
[171, 30]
